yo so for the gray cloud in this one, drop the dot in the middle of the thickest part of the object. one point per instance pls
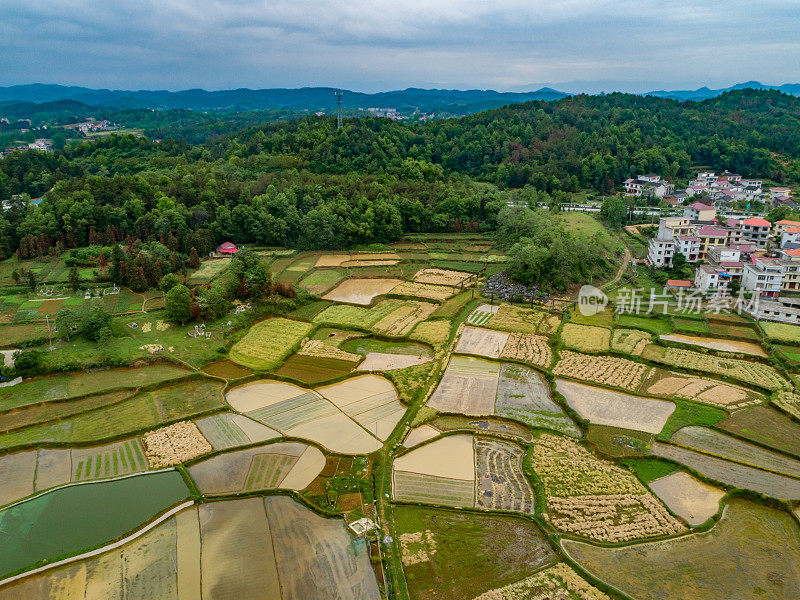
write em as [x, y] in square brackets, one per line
[380, 44]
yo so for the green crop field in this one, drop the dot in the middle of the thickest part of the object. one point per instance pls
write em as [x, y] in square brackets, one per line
[269, 342]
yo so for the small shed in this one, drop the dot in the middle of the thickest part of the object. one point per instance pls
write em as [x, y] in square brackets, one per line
[227, 248]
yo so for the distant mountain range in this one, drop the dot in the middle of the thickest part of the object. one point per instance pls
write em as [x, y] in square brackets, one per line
[310, 98]
[15, 99]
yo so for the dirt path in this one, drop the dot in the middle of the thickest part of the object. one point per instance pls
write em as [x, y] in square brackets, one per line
[626, 258]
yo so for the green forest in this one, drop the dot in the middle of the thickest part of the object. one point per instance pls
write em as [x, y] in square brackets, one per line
[304, 184]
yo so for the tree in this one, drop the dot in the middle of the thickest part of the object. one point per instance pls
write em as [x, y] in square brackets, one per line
[194, 260]
[103, 337]
[178, 304]
[15, 276]
[168, 281]
[74, 279]
[66, 320]
[614, 211]
[93, 319]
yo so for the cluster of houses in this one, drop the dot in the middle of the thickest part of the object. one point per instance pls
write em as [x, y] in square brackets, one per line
[723, 188]
[764, 257]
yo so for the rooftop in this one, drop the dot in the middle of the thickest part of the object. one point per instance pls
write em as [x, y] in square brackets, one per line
[757, 222]
[679, 283]
[701, 206]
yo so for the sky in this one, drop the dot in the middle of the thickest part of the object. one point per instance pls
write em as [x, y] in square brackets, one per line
[375, 45]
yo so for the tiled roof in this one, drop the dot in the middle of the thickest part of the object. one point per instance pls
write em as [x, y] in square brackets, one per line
[757, 222]
[679, 283]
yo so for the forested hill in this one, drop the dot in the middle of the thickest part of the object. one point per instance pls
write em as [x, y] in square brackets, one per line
[303, 183]
[581, 141]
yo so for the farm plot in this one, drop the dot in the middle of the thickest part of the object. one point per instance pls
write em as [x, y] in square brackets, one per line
[781, 332]
[691, 499]
[316, 557]
[483, 425]
[731, 473]
[735, 560]
[719, 444]
[370, 400]
[556, 583]
[35, 530]
[523, 320]
[269, 342]
[424, 290]
[744, 331]
[174, 444]
[436, 544]
[236, 539]
[594, 498]
[441, 472]
[669, 384]
[469, 386]
[524, 395]
[226, 369]
[320, 349]
[313, 369]
[141, 568]
[404, 318]
[482, 314]
[209, 270]
[229, 430]
[143, 411]
[717, 344]
[381, 355]
[320, 281]
[434, 333]
[744, 370]
[483, 342]
[629, 341]
[586, 338]
[420, 434]
[501, 485]
[17, 472]
[64, 387]
[765, 425]
[528, 348]
[361, 291]
[605, 370]
[789, 402]
[606, 407]
[341, 315]
[441, 276]
[288, 465]
[301, 413]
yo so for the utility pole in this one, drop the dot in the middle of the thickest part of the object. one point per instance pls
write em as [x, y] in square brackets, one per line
[338, 94]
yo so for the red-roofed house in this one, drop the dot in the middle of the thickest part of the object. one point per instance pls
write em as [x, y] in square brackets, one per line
[755, 230]
[763, 276]
[678, 284]
[710, 236]
[790, 235]
[227, 248]
[780, 226]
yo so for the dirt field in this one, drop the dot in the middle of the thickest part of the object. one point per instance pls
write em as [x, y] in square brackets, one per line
[501, 484]
[420, 434]
[717, 344]
[17, 473]
[384, 361]
[469, 386]
[606, 407]
[483, 342]
[441, 276]
[260, 394]
[731, 473]
[316, 557]
[669, 384]
[289, 465]
[361, 291]
[691, 499]
[450, 457]
[370, 400]
[703, 565]
[237, 558]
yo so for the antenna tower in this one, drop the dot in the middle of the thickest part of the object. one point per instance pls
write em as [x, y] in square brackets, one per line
[338, 94]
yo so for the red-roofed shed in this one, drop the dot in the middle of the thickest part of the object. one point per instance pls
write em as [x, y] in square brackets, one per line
[227, 248]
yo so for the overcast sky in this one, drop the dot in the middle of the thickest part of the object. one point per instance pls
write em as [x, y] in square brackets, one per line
[371, 45]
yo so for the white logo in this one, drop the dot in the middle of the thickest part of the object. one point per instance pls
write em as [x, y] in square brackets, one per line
[591, 300]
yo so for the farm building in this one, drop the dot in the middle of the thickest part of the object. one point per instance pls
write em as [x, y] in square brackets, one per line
[227, 248]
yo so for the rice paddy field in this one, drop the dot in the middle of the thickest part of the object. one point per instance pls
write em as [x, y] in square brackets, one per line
[700, 565]
[390, 388]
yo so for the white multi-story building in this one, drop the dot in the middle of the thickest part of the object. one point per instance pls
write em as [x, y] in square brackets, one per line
[755, 230]
[709, 279]
[646, 184]
[763, 276]
[697, 211]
